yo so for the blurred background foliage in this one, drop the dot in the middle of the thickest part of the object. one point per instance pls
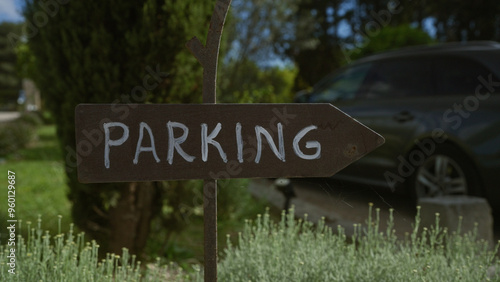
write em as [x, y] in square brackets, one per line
[317, 37]
[391, 38]
[100, 51]
[10, 81]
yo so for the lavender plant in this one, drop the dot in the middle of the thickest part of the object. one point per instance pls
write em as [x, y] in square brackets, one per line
[288, 250]
[66, 257]
[298, 250]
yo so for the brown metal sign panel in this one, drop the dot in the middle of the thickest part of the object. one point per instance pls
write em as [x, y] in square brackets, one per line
[141, 142]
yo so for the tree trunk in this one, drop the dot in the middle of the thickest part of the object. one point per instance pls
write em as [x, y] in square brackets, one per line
[130, 219]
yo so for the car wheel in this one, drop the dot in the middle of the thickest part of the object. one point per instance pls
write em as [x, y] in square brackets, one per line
[443, 173]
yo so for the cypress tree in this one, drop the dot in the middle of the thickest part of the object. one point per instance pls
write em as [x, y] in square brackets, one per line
[93, 51]
[10, 83]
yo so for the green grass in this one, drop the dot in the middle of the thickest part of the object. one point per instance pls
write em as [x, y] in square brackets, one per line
[40, 182]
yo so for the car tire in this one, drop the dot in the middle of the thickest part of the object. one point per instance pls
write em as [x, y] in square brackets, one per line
[445, 172]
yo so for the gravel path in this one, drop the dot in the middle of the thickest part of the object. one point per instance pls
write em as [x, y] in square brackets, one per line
[7, 116]
[341, 204]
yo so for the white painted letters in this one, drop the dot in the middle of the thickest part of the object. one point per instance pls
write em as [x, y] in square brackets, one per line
[175, 143]
[205, 140]
[309, 144]
[239, 142]
[259, 130]
[140, 149]
[108, 143]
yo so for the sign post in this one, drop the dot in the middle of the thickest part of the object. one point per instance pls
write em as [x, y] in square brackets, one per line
[207, 56]
[211, 141]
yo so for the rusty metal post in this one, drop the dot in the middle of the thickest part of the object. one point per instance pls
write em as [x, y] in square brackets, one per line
[210, 229]
[208, 56]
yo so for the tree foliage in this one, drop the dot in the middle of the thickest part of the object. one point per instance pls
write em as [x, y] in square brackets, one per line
[457, 20]
[390, 38]
[116, 52]
[248, 70]
[322, 30]
[245, 82]
[10, 82]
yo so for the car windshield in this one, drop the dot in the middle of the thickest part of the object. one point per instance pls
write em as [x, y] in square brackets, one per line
[342, 86]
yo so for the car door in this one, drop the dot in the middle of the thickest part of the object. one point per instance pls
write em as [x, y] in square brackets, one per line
[469, 93]
[386, 100]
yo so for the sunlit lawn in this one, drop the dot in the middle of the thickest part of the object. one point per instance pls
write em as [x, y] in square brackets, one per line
[40, 183]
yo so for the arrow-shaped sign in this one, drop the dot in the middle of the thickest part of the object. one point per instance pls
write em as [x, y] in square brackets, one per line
[203, 141]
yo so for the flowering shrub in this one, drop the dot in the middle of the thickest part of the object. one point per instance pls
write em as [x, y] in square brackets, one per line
[67, 257]
[290, 250]
[297, 250]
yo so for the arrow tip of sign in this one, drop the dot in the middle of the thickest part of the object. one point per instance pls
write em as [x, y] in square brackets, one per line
[380, 140]
[370, 141]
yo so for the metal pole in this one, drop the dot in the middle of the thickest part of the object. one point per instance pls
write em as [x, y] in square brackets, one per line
[208, 56]
[210, 229]
[210, 190]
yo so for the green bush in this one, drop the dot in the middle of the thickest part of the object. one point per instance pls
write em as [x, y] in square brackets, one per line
[389, 38]
[16, 135]
[31, 118]
[7, 145]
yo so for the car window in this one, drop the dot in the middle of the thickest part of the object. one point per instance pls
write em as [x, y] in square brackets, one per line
[457, 75]
[402, 77]
[342, 86]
